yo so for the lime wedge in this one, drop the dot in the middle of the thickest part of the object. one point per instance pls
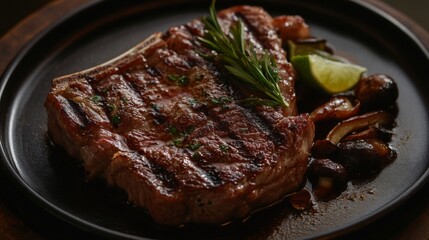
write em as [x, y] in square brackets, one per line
[306, 47]
[313, 46]
[330, 76]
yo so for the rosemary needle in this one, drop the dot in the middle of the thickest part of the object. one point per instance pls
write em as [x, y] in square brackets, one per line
[260, 73]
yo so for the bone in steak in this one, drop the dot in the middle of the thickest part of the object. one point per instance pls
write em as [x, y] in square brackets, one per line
[164, 124]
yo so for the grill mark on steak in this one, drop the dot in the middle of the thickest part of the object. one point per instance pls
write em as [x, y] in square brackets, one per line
[236, 133]
[139, 164]
[260, 40]
[101, 102]
[154, 159]
[256, 114]
[102, 92]
[76, 110]
[153, 72]
[213, 175]
[185, 149]
[219, 114]
[164, 174]
[167, 177]
[262, 33]
[264, 37]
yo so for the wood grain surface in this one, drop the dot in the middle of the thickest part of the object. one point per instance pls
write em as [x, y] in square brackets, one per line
[21, 220]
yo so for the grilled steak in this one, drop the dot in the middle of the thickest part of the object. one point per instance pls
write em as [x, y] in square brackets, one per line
[165, 125]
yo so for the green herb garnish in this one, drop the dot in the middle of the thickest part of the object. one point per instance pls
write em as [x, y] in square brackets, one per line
[111, 107]
[260, 73]
[224, 148]
[194, 146]
[196, 155]
[244, 130]
[172, 130]
[178, 142]
[96, 99]
[188, 131]
[155, 107]
[181, 80]
[221, 100]
[116, 119]
[193, 102]
[124, 100]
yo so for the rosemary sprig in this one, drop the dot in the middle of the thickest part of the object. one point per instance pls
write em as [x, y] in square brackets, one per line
[260, 73]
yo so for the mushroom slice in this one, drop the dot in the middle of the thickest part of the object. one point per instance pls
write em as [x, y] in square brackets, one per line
[359, 123]
[337, 108]
[376, 131]
[376, 91]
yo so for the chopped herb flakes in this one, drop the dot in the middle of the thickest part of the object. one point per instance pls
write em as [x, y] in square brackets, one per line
[194, 146]
[96, 99]
[111, 107]
[244, 130]
[193, 102]
[196, 155]
[172, 130]
[155, 107]
[178, 142]
[188, 131]
[225, 107]
[224, 148]
[175, 132]
[116, 119]
[124, 99]
[221, 100]
[179, 137]
[181, 80]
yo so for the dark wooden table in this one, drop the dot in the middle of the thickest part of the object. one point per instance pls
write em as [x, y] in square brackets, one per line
[21, 219]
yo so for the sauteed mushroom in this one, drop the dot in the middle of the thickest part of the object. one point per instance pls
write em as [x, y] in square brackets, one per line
[376, 91]
[323, 149]
[337, 108]
[375, 131]
[328, 178]
[359, 123]
[364, 158]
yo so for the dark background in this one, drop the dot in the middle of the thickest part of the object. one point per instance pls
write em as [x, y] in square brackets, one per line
[12, 11]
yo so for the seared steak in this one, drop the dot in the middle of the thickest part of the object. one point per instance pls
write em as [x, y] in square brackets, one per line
[165, 125]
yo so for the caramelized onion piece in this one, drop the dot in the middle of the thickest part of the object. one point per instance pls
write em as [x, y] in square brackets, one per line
[337, 108]
[359, 123]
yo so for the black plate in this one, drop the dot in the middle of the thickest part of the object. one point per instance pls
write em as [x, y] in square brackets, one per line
[104, 29]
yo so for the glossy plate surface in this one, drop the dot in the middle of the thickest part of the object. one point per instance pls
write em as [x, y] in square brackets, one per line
[105, 29]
